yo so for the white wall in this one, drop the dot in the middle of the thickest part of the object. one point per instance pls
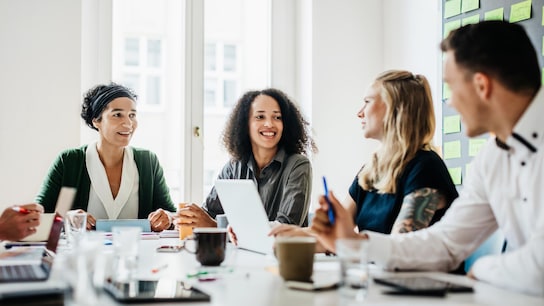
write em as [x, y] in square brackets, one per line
[416, 47]
[353, 41]
[39, 90]
[347, 54]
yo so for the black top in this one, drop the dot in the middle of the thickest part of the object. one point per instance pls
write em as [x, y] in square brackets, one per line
[377, 211]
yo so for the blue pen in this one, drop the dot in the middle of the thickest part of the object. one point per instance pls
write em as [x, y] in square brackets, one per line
[330, 211]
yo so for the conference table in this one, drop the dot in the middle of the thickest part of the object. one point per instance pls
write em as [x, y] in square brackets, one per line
[248, 278]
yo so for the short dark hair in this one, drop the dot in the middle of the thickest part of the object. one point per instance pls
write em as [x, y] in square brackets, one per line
[295, 138]
[97, 98]
[497, 48]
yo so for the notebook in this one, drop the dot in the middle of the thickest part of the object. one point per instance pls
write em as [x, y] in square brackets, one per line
[42, 231]
[13, 267]
[106, 225]
[64, 203]
[245, 211]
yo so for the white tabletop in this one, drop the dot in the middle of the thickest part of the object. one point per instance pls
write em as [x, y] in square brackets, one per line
[247, 278]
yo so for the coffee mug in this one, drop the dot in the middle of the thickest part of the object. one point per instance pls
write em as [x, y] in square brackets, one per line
[210, 244]
[295, 257]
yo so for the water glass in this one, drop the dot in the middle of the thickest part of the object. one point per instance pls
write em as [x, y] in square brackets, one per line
[222, 221]
[75, 224]
[90, 268]
[353, 255]
[126, 242]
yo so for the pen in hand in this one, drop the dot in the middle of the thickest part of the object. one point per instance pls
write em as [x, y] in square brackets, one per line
[21, 210]
[330, 211]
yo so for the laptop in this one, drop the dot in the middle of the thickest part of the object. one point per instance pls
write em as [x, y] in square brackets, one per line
[245, 211]
[12, 267]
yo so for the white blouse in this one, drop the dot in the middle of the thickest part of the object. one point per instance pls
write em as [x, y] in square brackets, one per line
[102, 205]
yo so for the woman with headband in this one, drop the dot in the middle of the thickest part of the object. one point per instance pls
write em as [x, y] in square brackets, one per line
[113, 180]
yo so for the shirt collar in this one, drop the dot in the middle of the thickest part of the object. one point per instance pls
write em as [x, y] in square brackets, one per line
[279, 157]
[528, 132]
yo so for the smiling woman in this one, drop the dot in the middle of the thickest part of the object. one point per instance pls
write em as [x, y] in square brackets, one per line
[114, 181]
[267, 139]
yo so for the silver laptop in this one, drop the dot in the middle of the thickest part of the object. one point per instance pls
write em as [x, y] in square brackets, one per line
[35, 275]
[245, 211]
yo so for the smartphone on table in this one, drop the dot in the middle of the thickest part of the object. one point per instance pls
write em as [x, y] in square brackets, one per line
[169, 248]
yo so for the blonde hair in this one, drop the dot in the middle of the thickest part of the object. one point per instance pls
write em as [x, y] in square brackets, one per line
[409, 125]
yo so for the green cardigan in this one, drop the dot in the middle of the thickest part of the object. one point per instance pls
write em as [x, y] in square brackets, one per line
[70, 169]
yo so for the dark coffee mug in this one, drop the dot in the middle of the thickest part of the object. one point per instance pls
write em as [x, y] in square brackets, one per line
[210, 243]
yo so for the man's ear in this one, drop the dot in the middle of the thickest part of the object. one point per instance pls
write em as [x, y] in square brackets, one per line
[96, 123]
[482, 85]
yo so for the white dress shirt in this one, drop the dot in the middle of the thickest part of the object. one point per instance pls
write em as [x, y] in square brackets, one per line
[505, 190]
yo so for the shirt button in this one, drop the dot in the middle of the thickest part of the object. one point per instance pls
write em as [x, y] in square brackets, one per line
[524, 199]
[523, 163]
[535, 135]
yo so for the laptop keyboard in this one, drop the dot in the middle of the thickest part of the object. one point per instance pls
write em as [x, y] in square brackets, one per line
[21, 273]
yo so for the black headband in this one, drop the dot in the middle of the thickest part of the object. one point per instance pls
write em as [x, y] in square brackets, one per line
[110, 94]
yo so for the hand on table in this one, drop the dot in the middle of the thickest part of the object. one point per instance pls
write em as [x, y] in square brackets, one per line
[194, 216]
[160, 220]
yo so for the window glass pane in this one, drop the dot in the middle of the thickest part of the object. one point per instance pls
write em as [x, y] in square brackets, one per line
[245, 31]
[153, 93]
[132, 81]
[229, 62]
[154, 53]
[141, 31]
[210, 90]
[132, 52]
[229, 93]
[209, 57]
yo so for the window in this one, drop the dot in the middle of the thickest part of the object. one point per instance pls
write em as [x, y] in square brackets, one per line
[222, 75]
[132, 51]
[154, 53]
[142, 71]
[232, 29]
[148, 41]
[229, 56]
[149, 54]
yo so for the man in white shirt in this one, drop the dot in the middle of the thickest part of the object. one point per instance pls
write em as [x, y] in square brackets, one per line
[494, 76]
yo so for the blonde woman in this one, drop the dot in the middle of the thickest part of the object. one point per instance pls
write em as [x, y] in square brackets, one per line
[406, 185]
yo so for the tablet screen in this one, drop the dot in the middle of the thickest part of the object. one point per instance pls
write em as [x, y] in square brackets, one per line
[167, 290]
[422, 285]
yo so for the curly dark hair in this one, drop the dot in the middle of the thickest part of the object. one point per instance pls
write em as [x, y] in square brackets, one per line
[295, 138]
[97, 98]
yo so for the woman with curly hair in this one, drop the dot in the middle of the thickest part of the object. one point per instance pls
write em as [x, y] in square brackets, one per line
[267, 138]
[113, 180]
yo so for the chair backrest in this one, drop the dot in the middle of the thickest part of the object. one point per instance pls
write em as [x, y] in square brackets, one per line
[495, 244]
